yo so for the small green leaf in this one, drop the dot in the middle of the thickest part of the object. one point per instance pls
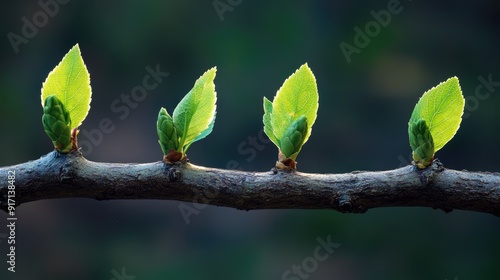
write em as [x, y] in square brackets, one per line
[57, 124]
[167, 134]
[288, 120]
[441, 107]
[297, 96]
[267, 119]
[70, 83]
[421, 143]
[294, 138]
[194, 116]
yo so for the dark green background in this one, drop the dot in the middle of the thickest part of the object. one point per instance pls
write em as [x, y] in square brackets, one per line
[362, 125]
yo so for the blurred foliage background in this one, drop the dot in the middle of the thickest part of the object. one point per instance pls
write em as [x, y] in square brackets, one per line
[362, 125]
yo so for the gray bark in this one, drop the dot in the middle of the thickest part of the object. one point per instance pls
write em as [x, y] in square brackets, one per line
[58, 175]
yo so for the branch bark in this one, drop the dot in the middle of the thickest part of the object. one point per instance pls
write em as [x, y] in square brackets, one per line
[58, 175]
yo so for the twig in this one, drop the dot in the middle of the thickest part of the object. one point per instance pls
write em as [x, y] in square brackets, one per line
[58, 175]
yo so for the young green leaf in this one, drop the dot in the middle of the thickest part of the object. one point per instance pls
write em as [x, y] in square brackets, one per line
[441, 107]
[57, 124]
[193, 119]
[268, 123]
[297, 96]
[194, 116]
[70, 83]
[288, 120]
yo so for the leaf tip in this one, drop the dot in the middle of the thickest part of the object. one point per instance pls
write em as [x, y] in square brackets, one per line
[212, 72]
[76, 47]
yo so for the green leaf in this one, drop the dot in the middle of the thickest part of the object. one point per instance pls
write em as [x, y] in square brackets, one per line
[70, 83]
[194, 116]
[441, 107]
[267, 119]
[288, 120]
[297, 96]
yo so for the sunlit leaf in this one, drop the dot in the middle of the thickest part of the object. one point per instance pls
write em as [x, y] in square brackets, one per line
[70, 83]
[441, 107]
[288, 120]
[297, 96]
[194, 116]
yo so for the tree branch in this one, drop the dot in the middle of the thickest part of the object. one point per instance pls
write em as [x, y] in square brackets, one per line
[58, 175]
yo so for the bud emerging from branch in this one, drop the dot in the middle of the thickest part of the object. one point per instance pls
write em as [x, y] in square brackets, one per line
[57, 124]
[421, 143]
[168, 138]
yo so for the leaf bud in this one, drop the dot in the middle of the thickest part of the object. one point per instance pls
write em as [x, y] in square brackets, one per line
[167, 133]
[294, 136]
[421, 143]
[57, 124]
